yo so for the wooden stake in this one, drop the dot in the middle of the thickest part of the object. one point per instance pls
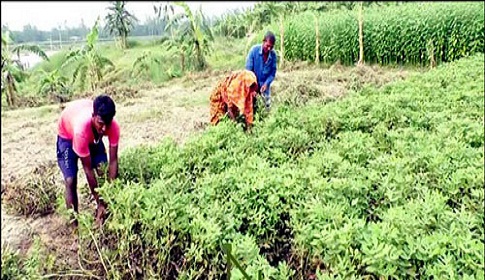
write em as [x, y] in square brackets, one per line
[317, 42]
[361, 35]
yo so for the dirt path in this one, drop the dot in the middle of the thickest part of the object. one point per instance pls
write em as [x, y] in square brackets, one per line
[177, 110]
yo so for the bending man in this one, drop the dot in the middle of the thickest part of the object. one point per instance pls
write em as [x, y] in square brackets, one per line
[81, 127]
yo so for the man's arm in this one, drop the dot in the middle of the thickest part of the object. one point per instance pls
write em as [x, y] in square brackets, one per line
[272, 74]
[114, 138]
[80, 146]
[91, 178]
[113, 162]
[250, 60]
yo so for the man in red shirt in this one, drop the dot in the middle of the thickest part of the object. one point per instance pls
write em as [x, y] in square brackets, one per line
[81, 127]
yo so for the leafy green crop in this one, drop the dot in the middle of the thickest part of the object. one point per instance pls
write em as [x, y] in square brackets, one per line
[384, 183]
[404, 33]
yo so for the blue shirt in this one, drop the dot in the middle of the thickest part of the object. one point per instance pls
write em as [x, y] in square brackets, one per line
[265, 72]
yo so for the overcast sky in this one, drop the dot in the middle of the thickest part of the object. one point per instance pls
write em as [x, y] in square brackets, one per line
[46, 15]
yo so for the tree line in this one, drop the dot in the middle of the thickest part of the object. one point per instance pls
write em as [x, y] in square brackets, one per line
[235, 23]
[187, 34]
[30, 33]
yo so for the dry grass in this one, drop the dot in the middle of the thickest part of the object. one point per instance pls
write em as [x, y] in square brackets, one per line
[297, 87]
[33, 194]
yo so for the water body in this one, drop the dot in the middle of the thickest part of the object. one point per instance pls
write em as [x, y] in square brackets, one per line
[30, 59]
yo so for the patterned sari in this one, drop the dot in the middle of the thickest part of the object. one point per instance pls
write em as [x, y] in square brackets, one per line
[236, 93]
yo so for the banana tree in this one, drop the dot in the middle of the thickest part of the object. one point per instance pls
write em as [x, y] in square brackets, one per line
[232, 24]
[13, 71]
[266, 12]
[141, 65]
[164, 12]
[91, 65]
[120, 22]
[194, 30]
[54, 84]
[180, 46]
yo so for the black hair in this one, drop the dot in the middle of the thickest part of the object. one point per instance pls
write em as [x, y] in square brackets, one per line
[104, 107]
[270, 37]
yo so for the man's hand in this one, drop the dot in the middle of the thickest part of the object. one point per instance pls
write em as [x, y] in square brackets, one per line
[263, 88]
[93, 185]
[100, 213]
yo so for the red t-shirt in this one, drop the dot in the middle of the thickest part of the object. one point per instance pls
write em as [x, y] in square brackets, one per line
[75, 124]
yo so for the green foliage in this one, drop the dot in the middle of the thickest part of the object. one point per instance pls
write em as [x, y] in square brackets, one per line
[120, 22]
[10, 264]
[143, 63]
[232, 25]
[55, 85]
[194, 30]
[156, 66]
[13, 71]
[32, 266]
[239, 23]
[392, 34]
[228, 54]
[146, 63]
[90, 64]
[385, 183]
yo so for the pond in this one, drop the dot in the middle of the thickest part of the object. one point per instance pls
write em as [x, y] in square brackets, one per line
[30, 60]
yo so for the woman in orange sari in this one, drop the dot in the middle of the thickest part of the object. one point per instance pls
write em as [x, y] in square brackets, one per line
[234, 95]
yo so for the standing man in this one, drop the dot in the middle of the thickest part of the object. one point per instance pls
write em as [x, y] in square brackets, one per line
[262, 61]
[81, 127]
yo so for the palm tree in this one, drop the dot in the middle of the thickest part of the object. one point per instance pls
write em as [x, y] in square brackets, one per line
[13, 70]
[120, 22]
[91, 64]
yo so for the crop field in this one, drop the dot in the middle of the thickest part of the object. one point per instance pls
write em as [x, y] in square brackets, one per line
[367, 171]
[384, 183]
[403, 34]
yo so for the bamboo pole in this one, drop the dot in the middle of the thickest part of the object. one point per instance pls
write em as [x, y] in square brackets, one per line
[361, 35]
[317, 42]
[282, 40]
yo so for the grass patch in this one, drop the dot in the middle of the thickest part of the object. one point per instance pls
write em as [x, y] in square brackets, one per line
[31, 266]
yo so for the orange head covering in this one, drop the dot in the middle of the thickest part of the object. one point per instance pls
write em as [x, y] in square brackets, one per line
[236, 91]
[241, 91]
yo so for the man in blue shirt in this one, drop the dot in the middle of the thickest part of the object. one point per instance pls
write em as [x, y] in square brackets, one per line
[262, 61]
